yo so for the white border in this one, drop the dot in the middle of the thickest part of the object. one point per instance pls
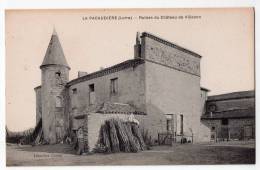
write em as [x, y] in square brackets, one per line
[77, 4]
[55, 4]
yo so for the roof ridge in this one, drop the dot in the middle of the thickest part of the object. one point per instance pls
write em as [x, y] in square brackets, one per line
[171, 44]
[108, 70]
[232, 95]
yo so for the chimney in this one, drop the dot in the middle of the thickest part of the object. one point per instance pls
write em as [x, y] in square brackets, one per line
[82, 73]
[137, 46]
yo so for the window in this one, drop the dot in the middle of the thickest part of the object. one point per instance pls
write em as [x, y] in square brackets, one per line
[181, 130]
[212, 107]
[224, 122]
[91, 87]
[213, 128]
[114, 86]
[57, 74]
[74, 91]
[169, 124]
[58, 78]
[92, 97]
[58, 101]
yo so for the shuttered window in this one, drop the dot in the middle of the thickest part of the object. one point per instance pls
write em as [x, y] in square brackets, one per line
[114, 86]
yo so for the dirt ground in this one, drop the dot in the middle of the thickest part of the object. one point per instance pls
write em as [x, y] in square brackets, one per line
[185, 154]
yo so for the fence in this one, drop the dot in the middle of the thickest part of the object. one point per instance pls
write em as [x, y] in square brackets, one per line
[170, 138]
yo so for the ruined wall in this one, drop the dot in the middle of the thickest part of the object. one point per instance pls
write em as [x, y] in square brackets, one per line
[172, 86]
[38, 104]
[53, 92]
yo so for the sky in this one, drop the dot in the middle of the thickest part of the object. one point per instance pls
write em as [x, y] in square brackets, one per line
[223, 37]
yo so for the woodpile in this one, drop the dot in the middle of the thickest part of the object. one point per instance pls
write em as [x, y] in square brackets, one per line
[134, 145]
[122, 137]
[113, 136]
[136, 131]
[119, 136]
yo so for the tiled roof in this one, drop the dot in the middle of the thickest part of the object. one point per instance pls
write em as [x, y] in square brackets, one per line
[235, 113]
[110, 108]
[54, 54]
[234, 95]
[106, 71]
[119, 108]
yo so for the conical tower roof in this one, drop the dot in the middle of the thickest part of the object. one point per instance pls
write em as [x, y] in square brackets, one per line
[54, 54]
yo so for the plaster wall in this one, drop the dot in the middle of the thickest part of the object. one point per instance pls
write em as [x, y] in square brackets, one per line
[172, 86]
[130, 90]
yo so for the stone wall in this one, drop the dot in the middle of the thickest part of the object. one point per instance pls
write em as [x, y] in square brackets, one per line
[53, 102]
[235, 127]
[38, 104]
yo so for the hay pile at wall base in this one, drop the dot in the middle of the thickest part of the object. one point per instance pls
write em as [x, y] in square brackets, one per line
[118, 136]
[22, 137]
[32, 136]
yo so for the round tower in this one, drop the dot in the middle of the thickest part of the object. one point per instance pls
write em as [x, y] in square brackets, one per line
[55, 75]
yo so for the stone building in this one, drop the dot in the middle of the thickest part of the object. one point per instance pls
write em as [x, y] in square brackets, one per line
[159, 87]
[231, 116]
